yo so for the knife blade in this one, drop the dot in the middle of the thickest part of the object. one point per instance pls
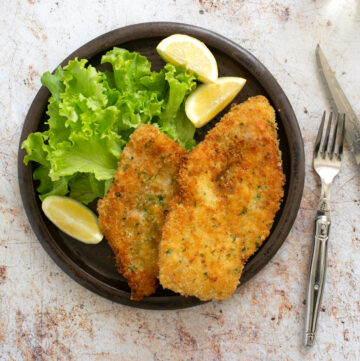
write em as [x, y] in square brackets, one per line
[352, 124]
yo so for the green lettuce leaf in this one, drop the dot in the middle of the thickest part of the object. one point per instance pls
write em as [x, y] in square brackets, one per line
[36, 149]
[173, 120]
[129, 68]
[54, 82]
[85, 187]
[48, 187]
[83, 154]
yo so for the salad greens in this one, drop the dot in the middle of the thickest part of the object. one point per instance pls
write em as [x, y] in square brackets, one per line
[92, 115]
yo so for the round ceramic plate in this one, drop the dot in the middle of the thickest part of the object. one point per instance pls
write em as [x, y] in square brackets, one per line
[94, 266]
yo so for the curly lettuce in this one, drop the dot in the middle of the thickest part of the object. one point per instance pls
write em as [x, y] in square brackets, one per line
[91, 115]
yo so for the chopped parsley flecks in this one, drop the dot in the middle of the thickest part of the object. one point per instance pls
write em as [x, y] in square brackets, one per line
[244, 211]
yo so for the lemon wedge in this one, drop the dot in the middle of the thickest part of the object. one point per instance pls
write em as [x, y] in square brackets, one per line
[73, 218]
[191, 54]
[207, 100]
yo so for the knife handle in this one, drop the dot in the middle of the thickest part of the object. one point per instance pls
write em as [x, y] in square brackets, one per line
[316, 277]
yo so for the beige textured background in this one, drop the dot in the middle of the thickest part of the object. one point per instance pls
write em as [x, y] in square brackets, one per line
[44, 315]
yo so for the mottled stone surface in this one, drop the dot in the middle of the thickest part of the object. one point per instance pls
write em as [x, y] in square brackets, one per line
[44, 315]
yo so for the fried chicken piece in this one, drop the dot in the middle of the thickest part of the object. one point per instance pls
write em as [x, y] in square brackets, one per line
[131, 215]
[231, 186]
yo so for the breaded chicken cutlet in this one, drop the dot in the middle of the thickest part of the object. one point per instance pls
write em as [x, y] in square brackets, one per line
[231, 185]
[132, 213]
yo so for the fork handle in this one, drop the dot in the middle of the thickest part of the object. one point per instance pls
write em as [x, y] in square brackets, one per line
[316, 277]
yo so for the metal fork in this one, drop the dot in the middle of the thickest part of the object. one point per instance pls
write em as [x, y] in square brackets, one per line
[327, 162]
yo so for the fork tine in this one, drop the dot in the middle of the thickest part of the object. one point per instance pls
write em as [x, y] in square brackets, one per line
[319, 135]
[341, 144]
[335, 134]
[324, 147]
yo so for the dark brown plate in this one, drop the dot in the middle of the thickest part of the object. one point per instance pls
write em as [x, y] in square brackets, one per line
[93, 266]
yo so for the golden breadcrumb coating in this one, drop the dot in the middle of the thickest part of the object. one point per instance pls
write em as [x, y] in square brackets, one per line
[231, 186]
[131, 215]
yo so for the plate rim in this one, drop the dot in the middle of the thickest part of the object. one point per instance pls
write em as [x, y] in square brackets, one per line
[255, 68]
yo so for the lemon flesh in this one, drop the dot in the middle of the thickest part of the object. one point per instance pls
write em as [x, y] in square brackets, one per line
[191, 54]
[73, 218]
[210, 99]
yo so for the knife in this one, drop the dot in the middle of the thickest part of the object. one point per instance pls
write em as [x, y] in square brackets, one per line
[352, 124]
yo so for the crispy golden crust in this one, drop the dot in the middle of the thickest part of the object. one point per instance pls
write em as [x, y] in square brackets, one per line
[131, 214]
[230, 190]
